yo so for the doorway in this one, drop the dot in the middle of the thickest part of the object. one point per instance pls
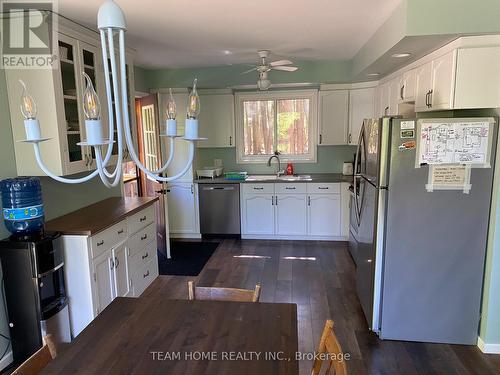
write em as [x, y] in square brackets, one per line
[149, 148]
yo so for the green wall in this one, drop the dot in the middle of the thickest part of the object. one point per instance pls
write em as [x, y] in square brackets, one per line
[330, 159]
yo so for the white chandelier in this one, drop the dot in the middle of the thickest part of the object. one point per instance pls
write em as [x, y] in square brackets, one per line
[111, 21]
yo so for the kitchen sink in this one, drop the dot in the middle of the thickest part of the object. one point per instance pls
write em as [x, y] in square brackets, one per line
[272, 177]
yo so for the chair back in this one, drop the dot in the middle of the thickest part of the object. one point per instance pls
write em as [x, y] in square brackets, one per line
[39, 360]
[330, 347]
[223, 294]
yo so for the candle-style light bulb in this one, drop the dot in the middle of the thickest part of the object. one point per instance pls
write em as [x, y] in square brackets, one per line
[193, 109]
[28, 105]
[91, 104]
[171, 107]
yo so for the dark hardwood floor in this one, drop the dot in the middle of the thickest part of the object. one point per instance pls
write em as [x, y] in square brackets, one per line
[322, 285]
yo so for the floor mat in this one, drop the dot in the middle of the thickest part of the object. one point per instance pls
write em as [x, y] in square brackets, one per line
[187, 258]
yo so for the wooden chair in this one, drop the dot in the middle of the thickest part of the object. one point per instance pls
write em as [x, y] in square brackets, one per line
[38, 361]
[330, 345]
[223, 294]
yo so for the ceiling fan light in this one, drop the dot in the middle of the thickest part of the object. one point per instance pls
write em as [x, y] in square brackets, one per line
[263, 84]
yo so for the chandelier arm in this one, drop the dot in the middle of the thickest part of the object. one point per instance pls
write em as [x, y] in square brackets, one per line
[170, 158]
[126, 125]
[117, 171]
[102, 175]
[45, 170]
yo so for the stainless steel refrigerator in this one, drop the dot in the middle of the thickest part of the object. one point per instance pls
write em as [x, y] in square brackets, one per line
[419, 255]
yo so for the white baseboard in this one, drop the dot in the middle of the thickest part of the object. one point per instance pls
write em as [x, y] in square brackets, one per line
[7, 360]
[292, 238]
[488, 348]
[185, 235]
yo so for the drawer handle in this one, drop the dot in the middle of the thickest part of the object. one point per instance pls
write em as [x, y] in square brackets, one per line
[258, 188]
[144, 237]
[145, 256]
[142, 219]
[290, 188]
[323, 188]
[145, 275]
[100, 243]
[120, 231]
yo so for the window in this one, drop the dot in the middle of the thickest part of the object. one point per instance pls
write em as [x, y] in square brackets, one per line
[282, 121]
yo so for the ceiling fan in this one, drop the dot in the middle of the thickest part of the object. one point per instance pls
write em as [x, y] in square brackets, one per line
[264, 67]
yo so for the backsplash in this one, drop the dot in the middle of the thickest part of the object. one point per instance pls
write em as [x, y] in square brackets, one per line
[330, 160]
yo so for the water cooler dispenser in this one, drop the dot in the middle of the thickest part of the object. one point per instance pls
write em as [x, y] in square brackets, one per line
[33, 275]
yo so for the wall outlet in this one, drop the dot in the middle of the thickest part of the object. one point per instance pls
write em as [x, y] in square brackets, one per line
[217, 162]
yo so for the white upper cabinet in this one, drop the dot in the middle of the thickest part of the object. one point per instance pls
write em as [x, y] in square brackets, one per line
[394, 96]
[408, 86]
[216, 120]
[333, 117]
[443, 81]
[435, 84]
[361, 106]
[383, 94]
[423, 79]
[478, 78]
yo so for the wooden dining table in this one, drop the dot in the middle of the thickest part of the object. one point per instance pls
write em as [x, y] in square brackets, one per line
[161, 336]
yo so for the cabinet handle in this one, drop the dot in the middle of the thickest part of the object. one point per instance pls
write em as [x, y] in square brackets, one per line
[290, 188]
[323, 187]
[272, 200]
[112, 264]
[258, 188]
[117, 262]
[100, 243]
[402, 92]
[230, 140]
[120, 231]
[276, 200]
[386, 109]
[350, 137]
[427, 99]
[145, 256]
[192, 189]
[309, 200]
[145, 275]
[144, 237]
[430, 98]
[142, 219]
[320, 138]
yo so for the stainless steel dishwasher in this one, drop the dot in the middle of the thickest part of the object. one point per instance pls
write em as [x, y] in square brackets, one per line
[219, 208]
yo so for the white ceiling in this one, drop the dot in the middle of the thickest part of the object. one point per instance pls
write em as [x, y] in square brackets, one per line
[189, 33]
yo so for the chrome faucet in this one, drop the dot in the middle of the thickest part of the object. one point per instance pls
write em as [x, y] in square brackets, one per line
[279, 172]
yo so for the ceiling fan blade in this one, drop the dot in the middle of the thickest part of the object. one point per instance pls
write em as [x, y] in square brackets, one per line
[285, 68]
[249, 70]
[281, 62]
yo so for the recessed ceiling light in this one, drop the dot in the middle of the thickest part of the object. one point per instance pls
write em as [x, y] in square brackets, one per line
[227, 52]
[398, 55]
[373, 74]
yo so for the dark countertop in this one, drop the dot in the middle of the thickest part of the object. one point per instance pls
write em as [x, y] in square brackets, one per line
[93, 219]
[315, 177]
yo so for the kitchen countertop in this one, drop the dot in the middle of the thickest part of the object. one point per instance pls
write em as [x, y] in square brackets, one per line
[315, 177]
[93, 219]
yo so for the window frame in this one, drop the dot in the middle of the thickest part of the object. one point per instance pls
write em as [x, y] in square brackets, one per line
[311, 94]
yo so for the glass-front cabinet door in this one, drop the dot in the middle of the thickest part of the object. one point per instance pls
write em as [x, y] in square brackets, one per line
[75, 157]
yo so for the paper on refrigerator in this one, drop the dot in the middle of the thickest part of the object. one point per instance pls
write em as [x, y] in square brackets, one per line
[454, 143]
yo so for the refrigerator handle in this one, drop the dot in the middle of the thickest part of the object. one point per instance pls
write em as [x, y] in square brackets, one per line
[356, 199]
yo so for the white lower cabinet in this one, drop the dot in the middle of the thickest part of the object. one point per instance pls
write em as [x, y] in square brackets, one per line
[257, 213]
[112, 263]
[323, 213]
[293, 211]
[183, 218]
[291, 214]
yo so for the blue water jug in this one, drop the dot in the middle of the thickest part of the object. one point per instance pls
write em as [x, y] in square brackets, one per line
[22, 205]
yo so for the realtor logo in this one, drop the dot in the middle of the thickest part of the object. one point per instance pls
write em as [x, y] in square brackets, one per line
[29, 34]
